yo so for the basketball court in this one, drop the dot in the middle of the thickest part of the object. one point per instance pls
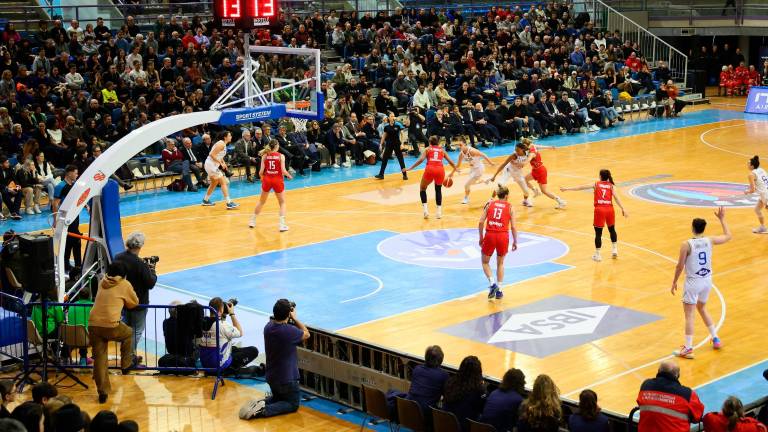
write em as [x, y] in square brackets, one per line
[360, 260]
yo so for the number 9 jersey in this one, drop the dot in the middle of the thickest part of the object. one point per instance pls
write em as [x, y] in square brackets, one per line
[698, 271]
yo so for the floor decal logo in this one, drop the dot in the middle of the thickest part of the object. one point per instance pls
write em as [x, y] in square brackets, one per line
[551, 325]
[460, 249]
[696, 194]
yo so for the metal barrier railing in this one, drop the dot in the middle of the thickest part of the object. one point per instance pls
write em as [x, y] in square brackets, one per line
[51, 337]
[335, 367]
[653, 48]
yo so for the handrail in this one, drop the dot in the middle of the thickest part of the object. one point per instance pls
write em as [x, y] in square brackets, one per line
[658, 39]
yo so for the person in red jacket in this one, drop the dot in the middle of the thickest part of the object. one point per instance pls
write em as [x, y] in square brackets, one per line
[731, 418]
[754, 78]
[725, 81]
[742, 78]
[665, 404]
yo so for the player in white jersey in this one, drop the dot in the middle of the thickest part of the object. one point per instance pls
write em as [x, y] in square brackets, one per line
[214, 164]
[758, 183]
[512, 169]
[474, 158]
[696, 258]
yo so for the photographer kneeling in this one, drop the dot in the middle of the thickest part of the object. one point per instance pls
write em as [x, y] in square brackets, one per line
[282, 334]
[141, 274]
[233, 359]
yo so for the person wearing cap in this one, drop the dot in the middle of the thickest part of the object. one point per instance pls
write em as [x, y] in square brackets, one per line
[282, 334]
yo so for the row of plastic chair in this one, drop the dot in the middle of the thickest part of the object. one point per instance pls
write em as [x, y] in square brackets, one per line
[409, 415]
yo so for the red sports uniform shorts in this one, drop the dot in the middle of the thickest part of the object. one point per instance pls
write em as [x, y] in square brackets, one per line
[495, 241]
[540, 174]
[274, 184]
[604, 215]
[436, 175]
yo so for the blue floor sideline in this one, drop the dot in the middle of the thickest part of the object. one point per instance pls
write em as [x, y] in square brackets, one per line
[133, 204]
[746, 384]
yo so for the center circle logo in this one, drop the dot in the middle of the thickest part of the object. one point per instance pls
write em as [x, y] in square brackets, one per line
[696, 194]
[459, 248]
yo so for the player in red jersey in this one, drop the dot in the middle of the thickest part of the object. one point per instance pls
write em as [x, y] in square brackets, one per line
[526, 152]
[435, 172]
[604, 214]
[498, 219]
[271, 172]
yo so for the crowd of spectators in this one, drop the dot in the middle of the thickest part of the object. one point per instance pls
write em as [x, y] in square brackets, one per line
[49, 411]
[664, 403]
[68, 92]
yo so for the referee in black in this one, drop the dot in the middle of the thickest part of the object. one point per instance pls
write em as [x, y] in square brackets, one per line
[390, 142]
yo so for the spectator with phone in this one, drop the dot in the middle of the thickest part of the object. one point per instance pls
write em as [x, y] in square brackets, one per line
[11, 192]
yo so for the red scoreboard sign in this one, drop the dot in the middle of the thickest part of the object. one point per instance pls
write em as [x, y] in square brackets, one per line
[244, 14]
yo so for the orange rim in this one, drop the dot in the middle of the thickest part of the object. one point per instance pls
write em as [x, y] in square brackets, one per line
[298, 104]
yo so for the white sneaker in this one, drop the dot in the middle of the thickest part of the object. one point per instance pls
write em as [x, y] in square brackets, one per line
[614, 252]
[528, 202]
[536, 192]
[283, 227]
[426, 214]
[291, 170]
[439, 214]
[561, 203]
[760, 230]
[465, 200]
[30, 211]
[37, 209]
[252, 223]
[336, 165]
[594, 128]
[596, 257]
[347, 164]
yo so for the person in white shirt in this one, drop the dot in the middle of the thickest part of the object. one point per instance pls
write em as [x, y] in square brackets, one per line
[74, 80]
[74, 31]
[44, 173]
[421, 99]
[232, 359]
[696, 259]
[758, 183]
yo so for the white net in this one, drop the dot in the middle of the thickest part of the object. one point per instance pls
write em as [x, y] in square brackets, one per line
[299, 124]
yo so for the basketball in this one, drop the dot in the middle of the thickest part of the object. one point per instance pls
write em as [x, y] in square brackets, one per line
[448, 182]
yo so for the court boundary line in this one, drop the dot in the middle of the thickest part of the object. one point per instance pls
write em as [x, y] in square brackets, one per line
[375, 278]
[708, 144]
[205, 296]
[729, 374]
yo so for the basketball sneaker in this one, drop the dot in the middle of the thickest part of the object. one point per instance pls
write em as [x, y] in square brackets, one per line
[536, 192]
[760, 230]
[684, 352]
[465, 200]
[596, 257]
[528, 202]
[492, 291]
[252, 223]
[614, 251]
[560, 203]
[283, 227]
[499, 294]
[426, 214]
[232, 205]
[208, 203]
[439, 213]
[716, 343]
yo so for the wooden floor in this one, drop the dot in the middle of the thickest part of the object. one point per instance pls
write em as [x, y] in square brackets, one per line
[640, 279]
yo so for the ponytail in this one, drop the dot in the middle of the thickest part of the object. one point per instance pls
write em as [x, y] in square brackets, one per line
[605, 175]
[733, 410]
[272, 146]
[755, 161]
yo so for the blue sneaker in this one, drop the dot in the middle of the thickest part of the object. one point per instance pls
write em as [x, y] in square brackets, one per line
[232, 205]
[492, 292]
[208, 203]
[499, 294]
[717, 343]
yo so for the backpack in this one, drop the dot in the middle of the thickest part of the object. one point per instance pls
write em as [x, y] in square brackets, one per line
[177, 185]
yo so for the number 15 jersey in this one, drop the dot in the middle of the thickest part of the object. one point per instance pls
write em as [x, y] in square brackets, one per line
[698, 265]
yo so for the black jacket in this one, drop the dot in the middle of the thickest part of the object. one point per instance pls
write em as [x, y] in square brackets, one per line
[139, 274]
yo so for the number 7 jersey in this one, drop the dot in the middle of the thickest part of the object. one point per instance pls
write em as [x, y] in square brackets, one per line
[698, 265]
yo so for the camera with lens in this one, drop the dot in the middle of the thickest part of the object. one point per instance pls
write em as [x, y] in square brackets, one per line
[151, 260]
[229, 305]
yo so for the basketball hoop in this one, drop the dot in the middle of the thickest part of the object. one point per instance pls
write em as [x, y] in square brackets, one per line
[299, 124]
